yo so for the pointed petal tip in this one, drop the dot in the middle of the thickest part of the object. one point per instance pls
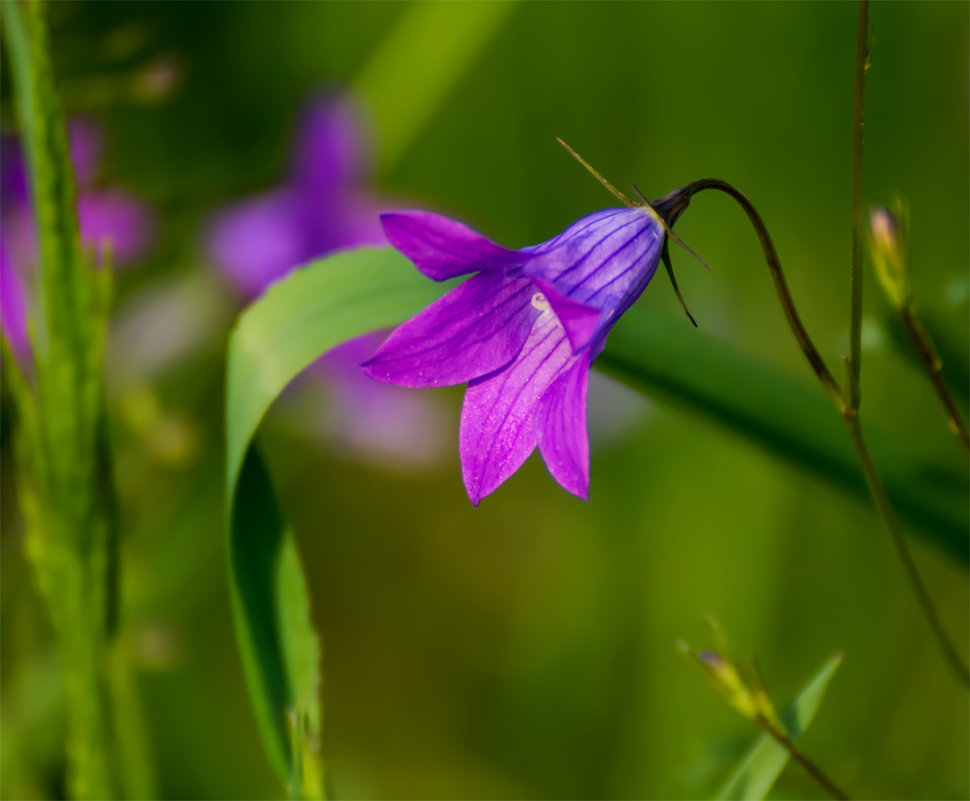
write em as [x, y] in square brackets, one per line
[473, 492]
[442, 248]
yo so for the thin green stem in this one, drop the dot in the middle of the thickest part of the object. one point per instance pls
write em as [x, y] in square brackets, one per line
[592, 171]
[816, 772]
[873, 481]
[891, 523]
[931, 363]
[855, 275]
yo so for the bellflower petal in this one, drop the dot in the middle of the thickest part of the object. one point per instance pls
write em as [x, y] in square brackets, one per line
[525, 329]
[476, 328]
[442, 248]
[497, 433]
[604, 261]
[257, 242]
[560, 423]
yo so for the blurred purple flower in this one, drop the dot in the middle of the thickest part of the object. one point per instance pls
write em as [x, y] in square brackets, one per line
[320, 208]
[13, 307]
[104, 216]
[523, 331]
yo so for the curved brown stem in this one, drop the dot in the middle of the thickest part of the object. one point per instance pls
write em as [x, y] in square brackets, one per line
[671, 207]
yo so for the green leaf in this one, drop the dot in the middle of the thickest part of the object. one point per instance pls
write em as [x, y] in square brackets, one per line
[755, 775]
[272, 611]
[299, 318]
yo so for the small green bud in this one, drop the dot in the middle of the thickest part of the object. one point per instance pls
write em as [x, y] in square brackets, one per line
[888, 247]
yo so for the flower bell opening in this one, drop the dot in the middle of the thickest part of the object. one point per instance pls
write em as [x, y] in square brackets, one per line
[522, 331]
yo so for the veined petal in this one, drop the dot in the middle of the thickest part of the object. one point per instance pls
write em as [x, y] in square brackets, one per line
[604, 260]
[442, 248]
[476, 328]
[497, 430]
[580, 320]
[560, 425]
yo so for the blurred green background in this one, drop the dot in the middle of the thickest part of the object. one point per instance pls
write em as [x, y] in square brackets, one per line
[525, 649]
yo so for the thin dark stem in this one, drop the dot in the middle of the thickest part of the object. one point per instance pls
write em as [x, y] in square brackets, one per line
[665, 257]
[855, 275]
[781, 285]
[931, 362]
[785, 742]
[677, 202]
[879, 497]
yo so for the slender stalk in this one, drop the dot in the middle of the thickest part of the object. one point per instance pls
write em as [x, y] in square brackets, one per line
[592, 171]
[931, 363]
[855, 274]
[671, 207]
[816, 772]
[885, 510]
[873, 481]
[683, 196]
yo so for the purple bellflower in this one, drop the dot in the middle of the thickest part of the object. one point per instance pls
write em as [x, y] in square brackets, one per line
[321, 207]
[105, 215]
[523, 331]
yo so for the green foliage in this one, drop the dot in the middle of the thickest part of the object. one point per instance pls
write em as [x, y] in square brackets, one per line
[760, 768]
[301, 317]
[790, 419]
[65, 485]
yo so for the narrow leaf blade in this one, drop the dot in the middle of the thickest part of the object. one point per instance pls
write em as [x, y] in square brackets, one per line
[758, 771]
[298, 319]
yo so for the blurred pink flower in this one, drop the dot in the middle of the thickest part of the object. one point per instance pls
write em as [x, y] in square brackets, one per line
[321, 207]
[105, 217]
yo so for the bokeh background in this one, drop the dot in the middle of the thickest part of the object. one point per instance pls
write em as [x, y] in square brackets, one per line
[524, 649]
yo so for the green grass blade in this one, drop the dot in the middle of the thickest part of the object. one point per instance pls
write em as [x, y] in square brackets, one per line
[65, 490]
[315, 308]
[757, 772]
[269, 599]
[423, 57]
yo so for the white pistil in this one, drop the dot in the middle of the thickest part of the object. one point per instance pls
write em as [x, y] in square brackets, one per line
[539, 302]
